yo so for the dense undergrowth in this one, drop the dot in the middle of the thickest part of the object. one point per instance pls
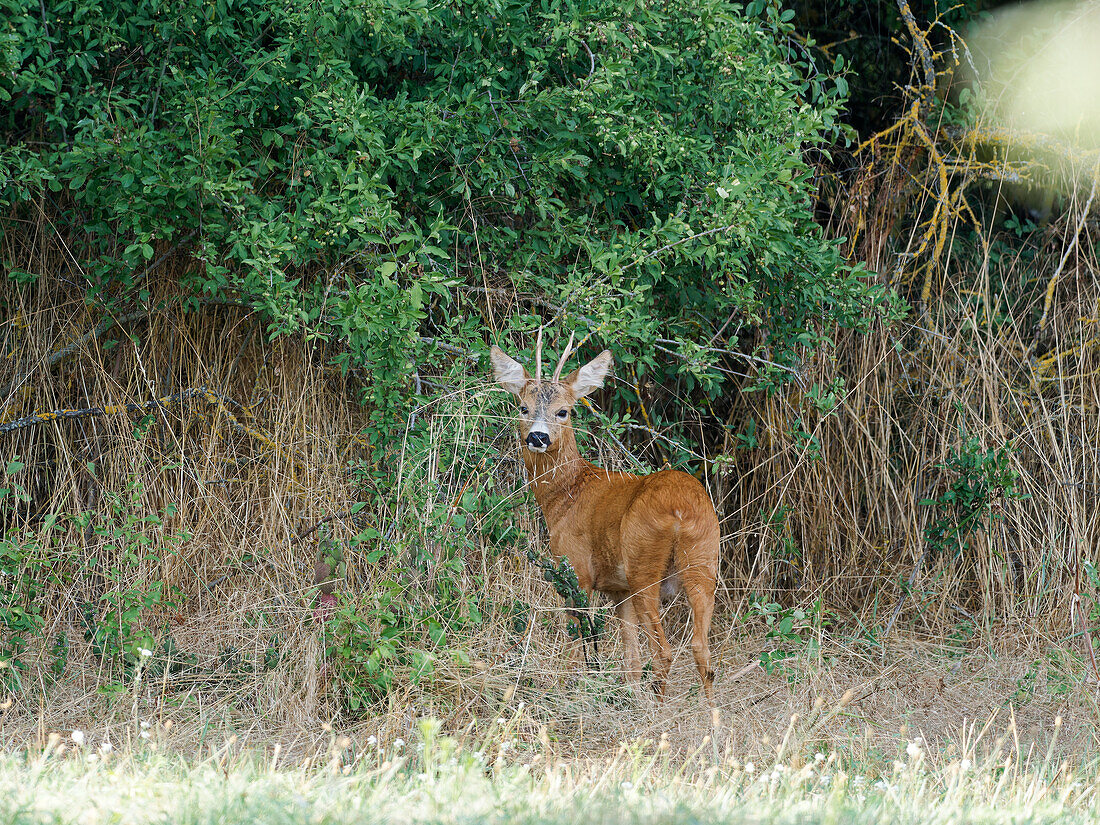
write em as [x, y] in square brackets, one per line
[253, 258]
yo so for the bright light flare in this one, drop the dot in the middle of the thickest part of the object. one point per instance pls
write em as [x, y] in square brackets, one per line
[1038, 66]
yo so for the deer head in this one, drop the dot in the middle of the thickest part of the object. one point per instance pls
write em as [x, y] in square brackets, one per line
[546, 407]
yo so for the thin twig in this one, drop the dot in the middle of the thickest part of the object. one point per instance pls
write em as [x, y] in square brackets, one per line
[663, 437]
[1049, 297]
[755, 359]
[928, 69]
[666, 247]
[500, 125]
[451, 348]
[591, 65]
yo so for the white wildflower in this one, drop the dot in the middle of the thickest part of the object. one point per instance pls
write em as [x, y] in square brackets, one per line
[77, 736]
[750, 767]
[913, 749]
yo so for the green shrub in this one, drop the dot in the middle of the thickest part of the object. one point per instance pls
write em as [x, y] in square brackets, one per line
[356, 171]
[979, 481]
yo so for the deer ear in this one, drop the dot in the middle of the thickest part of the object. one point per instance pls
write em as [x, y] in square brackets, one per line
[589, 378]
[508, 372]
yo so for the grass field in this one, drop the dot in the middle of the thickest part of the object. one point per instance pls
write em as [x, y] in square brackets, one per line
[912, 735]
[993, 724]
[466, 778]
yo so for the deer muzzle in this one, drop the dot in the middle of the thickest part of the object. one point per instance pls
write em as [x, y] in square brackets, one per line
[537, 442]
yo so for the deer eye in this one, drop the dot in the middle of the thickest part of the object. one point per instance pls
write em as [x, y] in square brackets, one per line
[563, 414]
[523, 409]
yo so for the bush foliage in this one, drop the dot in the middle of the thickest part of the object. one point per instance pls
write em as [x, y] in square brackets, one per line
[357, 170]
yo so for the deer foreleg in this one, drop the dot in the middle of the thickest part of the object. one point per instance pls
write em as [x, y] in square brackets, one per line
[632, 658]
[647, 603]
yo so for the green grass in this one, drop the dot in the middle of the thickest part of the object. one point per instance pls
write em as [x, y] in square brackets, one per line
[454, 779]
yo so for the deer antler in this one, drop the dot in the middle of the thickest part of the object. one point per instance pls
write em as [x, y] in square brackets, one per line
[538, 356]
[564, 357]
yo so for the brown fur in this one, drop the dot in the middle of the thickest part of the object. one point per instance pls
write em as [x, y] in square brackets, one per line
[624, 534]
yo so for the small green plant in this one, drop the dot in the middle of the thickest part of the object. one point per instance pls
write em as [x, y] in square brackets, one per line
[785, 550]
[119, 625]
[1093, 577]
[826, 398]
[519, 614]
[1063, 672]
[792, 633]
[1021, 228]
[747, 438]
[121, 636]
[1025, 685]
[406, 620]
[808, 444]
[364, 641]
[371, 641]
[957, 641]
[588, 623]
[24, 572]
[27, 567]
[980, 480]
[59, 655]
[13, 493]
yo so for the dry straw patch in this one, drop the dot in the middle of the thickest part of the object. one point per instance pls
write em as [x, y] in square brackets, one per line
[237, 496]
[854, 514]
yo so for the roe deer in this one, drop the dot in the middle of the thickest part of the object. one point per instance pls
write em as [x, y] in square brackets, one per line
[624, 534]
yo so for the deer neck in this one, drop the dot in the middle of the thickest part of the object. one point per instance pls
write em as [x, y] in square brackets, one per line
[556, 476]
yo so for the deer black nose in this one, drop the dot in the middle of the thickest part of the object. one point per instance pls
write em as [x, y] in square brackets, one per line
[540, 441]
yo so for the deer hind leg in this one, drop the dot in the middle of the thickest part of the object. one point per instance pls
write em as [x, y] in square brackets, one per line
[698, 563]
[700, 594]
[624, 609]
[647, 603]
